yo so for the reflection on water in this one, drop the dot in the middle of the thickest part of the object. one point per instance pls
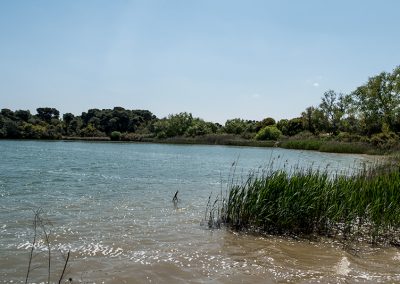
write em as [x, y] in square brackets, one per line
[111, 206]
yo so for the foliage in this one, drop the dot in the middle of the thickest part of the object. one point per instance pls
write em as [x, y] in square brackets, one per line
[378, 102]
[235, 126]
[263, 123]
[270, 132]
[370, 114]
[385, 140]
[199, 128]
[115, 136]
[91, 131]
[294, 126]
[174, 125]
[282, 125]
[47, 113]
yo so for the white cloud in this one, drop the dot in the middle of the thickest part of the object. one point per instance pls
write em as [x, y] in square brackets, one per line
[255, 96]
[316, 84]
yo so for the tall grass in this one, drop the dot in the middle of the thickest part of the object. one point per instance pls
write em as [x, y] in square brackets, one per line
[330, 146]
[305, 202]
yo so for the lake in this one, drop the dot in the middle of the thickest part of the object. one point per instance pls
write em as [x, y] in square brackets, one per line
[111, 205]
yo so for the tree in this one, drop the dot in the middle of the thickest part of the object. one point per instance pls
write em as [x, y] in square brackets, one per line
[378, 101]
[308, 119]
[68, 117]
[235, 126]
[200, 127]
[179, 123]
[7, 113]
[265, 122]
[11, 129]
[282, 125]
[294, 126]
[270, 132]
[47, 114]
[75, 126]
[333, 106]
[23, 115]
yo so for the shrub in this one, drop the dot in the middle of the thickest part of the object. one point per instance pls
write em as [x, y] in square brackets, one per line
[385, 140]
[303, 135]
[115, 136]
[348, 137]
[268, 133]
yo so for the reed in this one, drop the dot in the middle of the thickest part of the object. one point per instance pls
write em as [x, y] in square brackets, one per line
[330, 146]
[302, 144]
[365, 206]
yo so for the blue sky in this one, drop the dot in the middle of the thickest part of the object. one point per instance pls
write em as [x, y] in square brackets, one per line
[215, 59]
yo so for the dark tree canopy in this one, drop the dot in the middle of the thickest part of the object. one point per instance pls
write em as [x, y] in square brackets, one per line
[371, 111]
[47, 113]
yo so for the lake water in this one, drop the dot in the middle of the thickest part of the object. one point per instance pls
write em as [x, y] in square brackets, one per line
[110, 204]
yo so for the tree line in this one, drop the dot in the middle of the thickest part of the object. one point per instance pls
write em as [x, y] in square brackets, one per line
[370, 113]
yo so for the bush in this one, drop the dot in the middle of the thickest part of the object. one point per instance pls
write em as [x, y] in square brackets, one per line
[384, 140]
[303, 135]
[268, 133]
[115, 136]
[348, 137]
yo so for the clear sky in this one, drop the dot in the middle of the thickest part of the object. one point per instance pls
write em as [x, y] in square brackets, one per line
[215, 59]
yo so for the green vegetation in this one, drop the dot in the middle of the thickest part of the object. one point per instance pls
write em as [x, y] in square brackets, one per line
[115, 136]
[331, 146]
[270, 132]
[303, 203]
[365, 121]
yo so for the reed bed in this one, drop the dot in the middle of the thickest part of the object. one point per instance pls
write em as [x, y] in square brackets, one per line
[330, 146]
[364, 206]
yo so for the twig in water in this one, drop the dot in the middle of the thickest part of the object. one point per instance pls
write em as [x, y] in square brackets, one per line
[175, 198]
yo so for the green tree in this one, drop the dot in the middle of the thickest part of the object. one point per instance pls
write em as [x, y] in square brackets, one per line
[23, 115]
[75, 126]
[270, 132]
[199, 127]
[47, 113]
[8, 114]
[11, 129]
[265, 122]
[235, 126]
[378, 101]
[283, 125]
[67, 119]
[333, 106]
[91, 131]
[308, 118]
[294, 126]
[179, 123]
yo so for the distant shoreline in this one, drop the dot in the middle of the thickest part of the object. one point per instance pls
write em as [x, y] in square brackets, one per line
[319, 145]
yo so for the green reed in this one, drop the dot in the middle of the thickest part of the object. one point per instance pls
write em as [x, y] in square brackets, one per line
[305, 202]
[329, 146]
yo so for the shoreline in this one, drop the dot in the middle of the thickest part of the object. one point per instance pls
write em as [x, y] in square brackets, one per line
[319, 145]
[324, 146]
